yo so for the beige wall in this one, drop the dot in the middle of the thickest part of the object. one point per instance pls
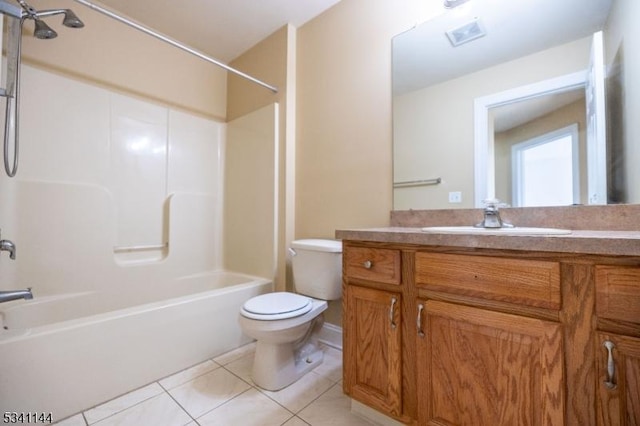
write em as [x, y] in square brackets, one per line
[343, 146]
[344, 116]
[114, 55]
[250, 172]
[268, 61]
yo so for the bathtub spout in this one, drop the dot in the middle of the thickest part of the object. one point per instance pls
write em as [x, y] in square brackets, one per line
[7, 296]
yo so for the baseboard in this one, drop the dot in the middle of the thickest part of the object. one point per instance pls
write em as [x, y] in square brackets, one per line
[372, 415]
[331, 335]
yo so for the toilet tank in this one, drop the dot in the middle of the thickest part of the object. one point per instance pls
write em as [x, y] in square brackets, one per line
[317, 268]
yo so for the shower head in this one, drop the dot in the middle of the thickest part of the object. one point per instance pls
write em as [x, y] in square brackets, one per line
[70, 20]
[43, 31]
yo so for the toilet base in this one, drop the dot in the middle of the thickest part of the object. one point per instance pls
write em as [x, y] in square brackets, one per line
[276, 366]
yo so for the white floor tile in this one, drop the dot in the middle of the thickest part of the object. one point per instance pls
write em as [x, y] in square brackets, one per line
[208, 391]
[296, 421]
[224, 396]
[122, 403]
[299, 394]
[187, 375]
[331, 367]
[242, 367]
[242, 351]
[251, 408]
[332, 408]
[160, 410]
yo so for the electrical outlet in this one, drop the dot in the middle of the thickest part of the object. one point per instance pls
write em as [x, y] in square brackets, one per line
[455, 197]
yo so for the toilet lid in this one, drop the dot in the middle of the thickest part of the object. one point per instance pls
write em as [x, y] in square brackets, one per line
[278, 305]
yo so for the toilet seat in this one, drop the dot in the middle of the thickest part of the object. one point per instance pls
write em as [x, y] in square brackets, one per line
[276, 306]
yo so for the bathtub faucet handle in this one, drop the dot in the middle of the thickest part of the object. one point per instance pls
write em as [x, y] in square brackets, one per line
[7, 245]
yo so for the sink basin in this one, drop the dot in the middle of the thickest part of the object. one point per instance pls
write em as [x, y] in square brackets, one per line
[495, 231]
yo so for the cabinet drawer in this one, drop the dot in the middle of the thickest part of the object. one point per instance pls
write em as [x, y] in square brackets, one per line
[618, 292]
[530, 282]
[374, 264]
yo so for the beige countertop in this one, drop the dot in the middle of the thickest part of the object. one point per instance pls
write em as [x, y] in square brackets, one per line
[615, 243]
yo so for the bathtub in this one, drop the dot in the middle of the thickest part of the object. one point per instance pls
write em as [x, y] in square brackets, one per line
[66, 353]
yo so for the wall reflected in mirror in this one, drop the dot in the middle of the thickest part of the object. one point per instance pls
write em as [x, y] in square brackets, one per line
[435, 86]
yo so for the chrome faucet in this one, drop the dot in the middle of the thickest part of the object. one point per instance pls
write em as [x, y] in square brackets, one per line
[7, 296]
[7, 245]
[492, 217]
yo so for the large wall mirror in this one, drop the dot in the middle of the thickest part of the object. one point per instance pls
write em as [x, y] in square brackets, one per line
[532, 102]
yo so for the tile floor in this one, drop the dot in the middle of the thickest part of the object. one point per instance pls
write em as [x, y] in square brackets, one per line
[220, 392]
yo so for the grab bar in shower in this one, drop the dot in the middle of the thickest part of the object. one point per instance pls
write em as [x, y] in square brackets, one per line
[423, 182]
[124, 249]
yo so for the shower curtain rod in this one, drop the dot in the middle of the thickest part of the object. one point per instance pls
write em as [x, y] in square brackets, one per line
[174, 43]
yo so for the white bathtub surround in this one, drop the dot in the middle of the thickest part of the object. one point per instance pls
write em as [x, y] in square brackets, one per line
[316, 400]
[111, 172]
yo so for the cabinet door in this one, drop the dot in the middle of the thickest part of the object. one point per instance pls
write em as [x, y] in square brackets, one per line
[372, 353]
[618, 380]
[477, 367]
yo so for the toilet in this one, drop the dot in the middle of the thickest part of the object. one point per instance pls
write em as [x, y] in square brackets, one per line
[285, 324]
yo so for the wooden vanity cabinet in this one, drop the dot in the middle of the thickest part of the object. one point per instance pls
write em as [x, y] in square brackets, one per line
[618, 345]
[373, 348]
[373, 323]
[478, 366]
[491, 337]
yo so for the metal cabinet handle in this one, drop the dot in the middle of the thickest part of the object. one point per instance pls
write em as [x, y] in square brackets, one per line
[367, 264]
[419, 320]
[392, 311]
[611, 366]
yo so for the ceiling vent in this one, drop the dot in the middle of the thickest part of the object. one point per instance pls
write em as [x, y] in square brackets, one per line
[466, 32]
